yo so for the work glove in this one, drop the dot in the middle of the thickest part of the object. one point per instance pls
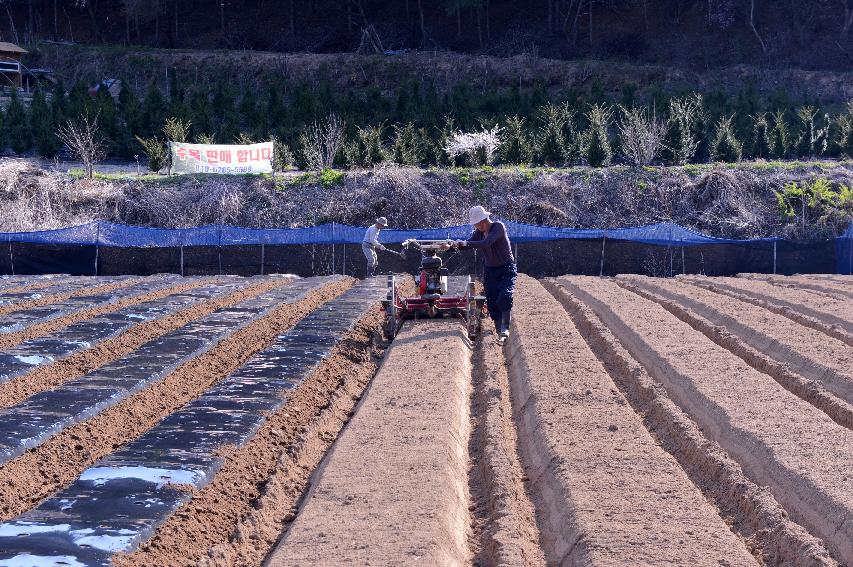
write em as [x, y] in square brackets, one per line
[459, 243]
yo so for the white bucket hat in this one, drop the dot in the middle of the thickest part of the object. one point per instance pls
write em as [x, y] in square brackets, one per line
[477, 214]
[382, 220]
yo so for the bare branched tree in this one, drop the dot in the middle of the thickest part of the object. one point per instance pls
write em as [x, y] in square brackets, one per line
[83, 139]
[641, 136]
[321, 141]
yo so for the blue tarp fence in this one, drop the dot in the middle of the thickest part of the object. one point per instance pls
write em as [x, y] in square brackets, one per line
[110, 234]
[106, 234]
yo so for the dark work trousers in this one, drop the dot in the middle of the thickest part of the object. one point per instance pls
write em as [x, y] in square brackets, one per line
[500, 287]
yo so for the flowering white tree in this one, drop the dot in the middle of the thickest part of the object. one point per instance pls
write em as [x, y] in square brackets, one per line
[480, 147]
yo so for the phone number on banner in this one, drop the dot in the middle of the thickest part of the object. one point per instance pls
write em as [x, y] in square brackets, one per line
[223, 169]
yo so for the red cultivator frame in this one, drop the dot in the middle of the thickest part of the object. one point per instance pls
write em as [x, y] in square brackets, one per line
[433, 300]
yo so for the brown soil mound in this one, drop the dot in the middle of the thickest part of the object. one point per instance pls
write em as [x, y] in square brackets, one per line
[605, 491]
[742, 409]
[393, 488]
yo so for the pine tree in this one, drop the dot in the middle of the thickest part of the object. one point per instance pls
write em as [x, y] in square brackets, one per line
[109, 124]
[153, 111]
[780, 143]
[596, 141]
[515, 147]
[17, 131]
[682, 139]
[407, 148]
[845, 131]
[760, 136]
[725, 146]
[812, 138]
[41, 126]
[130, 118]
[550, 143]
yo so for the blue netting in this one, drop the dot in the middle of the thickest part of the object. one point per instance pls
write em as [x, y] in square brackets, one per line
[123, 236]
[844, 252]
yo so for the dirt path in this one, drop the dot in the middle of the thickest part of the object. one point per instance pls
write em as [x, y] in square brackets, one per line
[74, 288]
[392, 490]
[825, 313]
[809, 353]
[780, 440]
[748, 508]
[605, 492]
[28, 479]
[504, 519]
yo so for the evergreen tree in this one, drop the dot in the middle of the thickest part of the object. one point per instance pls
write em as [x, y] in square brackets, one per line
[225, 115]
[17, 130]
[551, 143]
[130, 119]
[200, 114]
[845, 131]
[682, 138]
[109, 124]
[596, 141]
[780, 143]
[515, 147]
[812, 138]
[408, 148]
[725, 146]
[760, 136]
[80, 102]
[443, 159]
[153, 111]
[41, 126]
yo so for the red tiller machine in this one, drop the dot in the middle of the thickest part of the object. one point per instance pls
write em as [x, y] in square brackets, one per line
[433, 299]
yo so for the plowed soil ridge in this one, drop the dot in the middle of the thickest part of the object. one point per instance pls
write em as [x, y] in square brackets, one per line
[605, 492]
[61, 459]
[807, 352]
[743, 410]
[831, 288]
[392, 489]
[504, 519]
[811, 391]
[817, 311]
[751, 511]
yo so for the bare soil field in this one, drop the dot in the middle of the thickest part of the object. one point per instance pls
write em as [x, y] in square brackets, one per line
[231, 421]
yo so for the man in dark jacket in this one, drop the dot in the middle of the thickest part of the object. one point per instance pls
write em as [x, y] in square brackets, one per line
[499, 275]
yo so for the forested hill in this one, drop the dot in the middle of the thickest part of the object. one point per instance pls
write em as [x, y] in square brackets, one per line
[692, 34]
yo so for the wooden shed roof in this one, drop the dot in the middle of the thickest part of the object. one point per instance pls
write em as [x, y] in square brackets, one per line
[7, 47]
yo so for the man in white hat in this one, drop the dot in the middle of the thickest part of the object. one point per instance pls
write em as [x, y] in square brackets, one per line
[500, 271]
[370, 244]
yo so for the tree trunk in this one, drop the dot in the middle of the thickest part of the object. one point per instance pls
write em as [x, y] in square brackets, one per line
[423, 26]
[55, 20]
[292, 16]
[96, 30]
[752, 25]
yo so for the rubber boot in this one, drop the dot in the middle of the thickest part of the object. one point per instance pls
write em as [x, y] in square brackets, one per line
[505, 321]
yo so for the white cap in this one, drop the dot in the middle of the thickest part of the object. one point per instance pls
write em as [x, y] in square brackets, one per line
[477, 214]
[382, 220]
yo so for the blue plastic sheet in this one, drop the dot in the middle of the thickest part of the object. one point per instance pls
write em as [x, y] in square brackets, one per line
[109, 234]
[844, 252]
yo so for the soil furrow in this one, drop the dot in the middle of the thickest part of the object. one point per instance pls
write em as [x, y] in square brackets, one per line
[119, 301]
[745, 411]
[393, 488]
[829, 316]
[86, 360]
[605, 492]
[78, 289]
[27, 479]
[750, 510]
[810, 391]
[824, 360]
[36, 283]
[834, 289]
[505, 530]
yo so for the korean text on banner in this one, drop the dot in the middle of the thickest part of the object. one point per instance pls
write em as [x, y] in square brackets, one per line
[221, 158]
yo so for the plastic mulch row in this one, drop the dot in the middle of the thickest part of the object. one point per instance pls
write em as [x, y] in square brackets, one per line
[30, 423]
[30, 354]
[20, 320]
[60, 286]
[120, 501]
